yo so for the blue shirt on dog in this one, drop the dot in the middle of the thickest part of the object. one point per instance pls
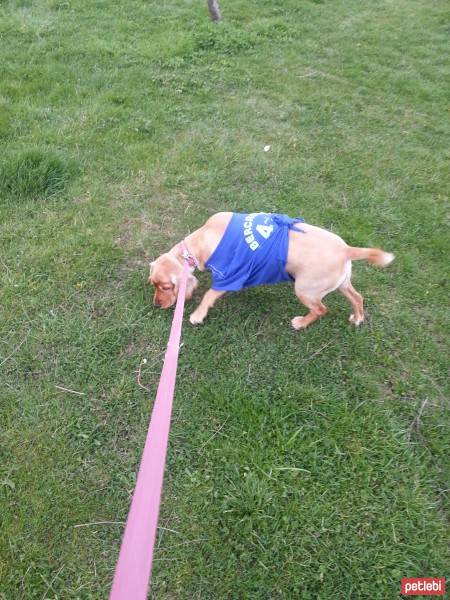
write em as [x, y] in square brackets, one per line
[252, 251]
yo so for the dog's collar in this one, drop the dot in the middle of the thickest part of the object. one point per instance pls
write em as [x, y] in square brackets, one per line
[188, 257]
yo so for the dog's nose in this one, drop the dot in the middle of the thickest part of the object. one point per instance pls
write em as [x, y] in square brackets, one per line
[157, 304]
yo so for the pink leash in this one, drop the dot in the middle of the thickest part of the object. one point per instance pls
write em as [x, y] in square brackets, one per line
[133, 569]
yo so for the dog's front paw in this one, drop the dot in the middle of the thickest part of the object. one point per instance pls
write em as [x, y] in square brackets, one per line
[196, 318]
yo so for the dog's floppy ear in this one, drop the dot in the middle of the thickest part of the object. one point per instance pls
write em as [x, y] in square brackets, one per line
[151, 265]
[192, 284]
[176, 281]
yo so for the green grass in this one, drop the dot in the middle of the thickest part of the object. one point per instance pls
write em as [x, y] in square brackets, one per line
[33, 174]
[298, 465]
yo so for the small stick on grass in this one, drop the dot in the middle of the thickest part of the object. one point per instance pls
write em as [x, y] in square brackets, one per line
[144, 362]
[186, 543]
[171, 530]
[64, 389]
[213, 435]
[415, 425]
[16, 349]
[49, 585]
[140, 384]
[316, 352]
[99, 523]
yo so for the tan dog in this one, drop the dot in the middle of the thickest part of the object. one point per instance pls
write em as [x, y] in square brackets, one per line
[317, 260]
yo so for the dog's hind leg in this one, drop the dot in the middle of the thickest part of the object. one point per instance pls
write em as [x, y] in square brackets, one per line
[316, 310]
[355, 299]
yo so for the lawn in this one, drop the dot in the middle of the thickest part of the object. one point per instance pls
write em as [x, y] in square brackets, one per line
[301, 465]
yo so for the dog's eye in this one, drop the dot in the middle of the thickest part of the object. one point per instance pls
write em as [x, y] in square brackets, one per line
[166, 288]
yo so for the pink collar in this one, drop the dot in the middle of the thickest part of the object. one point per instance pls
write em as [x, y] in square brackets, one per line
[188, 257]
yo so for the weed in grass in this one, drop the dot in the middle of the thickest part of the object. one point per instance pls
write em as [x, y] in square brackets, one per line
[5, 121]
[35, 174]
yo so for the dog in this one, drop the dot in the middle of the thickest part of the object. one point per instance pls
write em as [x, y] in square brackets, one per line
[244, 250]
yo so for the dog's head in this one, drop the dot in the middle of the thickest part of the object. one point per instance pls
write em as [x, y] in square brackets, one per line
[165, 275]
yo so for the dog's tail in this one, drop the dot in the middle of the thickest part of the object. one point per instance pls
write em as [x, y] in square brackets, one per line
[373, 255]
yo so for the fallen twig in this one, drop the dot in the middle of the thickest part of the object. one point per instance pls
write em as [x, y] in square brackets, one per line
[310, 74]
[144, 362]
[15, 350]
[140, 384]
[171, 530]
[186, 543]
[316, 352]
[213, 435]
[64, 389]
[99, 523]
[416, 423]
[49, 585]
